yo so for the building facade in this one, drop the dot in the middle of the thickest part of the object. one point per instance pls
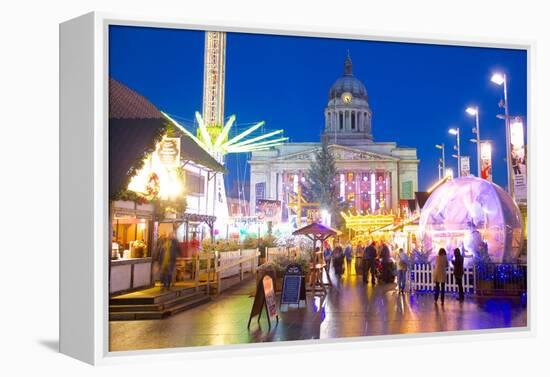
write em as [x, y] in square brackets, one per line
[372, 176]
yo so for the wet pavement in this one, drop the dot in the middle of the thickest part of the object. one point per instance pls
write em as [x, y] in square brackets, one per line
[350, 309]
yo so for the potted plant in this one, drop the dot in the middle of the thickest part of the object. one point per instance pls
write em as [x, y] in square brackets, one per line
[138, 249]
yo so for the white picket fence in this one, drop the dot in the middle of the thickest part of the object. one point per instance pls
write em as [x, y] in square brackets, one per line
[227, 258]
[421, 279]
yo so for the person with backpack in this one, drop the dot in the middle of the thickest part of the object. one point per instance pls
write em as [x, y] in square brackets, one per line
[369, 265]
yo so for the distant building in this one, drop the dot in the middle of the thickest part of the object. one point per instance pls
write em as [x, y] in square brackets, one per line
[238, 207]
[372, 176]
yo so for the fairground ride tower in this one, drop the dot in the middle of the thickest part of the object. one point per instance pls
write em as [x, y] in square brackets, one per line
[213, 96]
[213, 99]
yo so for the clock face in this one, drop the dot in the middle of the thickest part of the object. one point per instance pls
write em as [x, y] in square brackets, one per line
[346, 97]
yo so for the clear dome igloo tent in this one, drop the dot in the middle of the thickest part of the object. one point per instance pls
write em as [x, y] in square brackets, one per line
[469, 212]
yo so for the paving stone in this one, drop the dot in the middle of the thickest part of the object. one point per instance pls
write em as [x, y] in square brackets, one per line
[350, 309]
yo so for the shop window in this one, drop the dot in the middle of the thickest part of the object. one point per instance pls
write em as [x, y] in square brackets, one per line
[194, 183]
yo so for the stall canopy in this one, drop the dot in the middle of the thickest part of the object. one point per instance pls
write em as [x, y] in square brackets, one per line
[317, 232]
[135, 128]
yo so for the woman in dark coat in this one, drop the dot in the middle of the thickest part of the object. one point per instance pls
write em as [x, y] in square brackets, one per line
[387, 275]
[458, 266]
[167, 251]
[338, 260]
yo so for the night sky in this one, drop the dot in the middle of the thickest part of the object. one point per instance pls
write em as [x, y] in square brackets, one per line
[416, 92]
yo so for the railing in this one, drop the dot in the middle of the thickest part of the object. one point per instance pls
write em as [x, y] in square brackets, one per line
[421, 279]
[272, 253]
[209, 268]
[481, 279]
[501, 279]
[230, 265]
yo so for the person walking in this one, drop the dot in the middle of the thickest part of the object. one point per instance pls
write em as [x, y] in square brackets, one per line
[370, 264]
[338, 258]
[402, 270]
[458, 271]
[359, 251]
[439, 274]
[327, 253]
[348, 255]
[167, 250]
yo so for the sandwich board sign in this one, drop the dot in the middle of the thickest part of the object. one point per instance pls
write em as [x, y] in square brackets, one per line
[265, 298]
[294, 287]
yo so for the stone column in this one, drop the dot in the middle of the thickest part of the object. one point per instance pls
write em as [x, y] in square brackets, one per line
[394, 188]
[357, 189]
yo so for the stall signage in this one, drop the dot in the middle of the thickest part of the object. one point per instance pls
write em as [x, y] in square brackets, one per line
[293, 285]
[169, 151]
[269, 293]
[268, 210]
[265, 298]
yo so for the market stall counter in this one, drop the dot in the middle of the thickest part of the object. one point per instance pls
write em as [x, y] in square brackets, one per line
[130, 274]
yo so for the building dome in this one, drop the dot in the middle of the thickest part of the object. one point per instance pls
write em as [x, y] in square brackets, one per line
[473, 213]
[348, 117]
[348, 84]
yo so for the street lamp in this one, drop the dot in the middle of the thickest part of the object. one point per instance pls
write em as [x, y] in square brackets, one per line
[456, 132]
[500, 79]
[474, 111]
[441, 164]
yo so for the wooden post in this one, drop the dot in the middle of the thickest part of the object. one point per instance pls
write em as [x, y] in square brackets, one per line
[208, 273]
[255, 261]
[241, 264]
[219, 275]
[197, 270]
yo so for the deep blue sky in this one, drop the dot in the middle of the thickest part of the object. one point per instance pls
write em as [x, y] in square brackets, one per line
[416, 91]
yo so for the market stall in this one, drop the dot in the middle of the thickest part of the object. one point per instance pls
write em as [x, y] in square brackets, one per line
[131, 260]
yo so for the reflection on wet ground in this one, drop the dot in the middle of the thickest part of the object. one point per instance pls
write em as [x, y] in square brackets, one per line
[350, 309]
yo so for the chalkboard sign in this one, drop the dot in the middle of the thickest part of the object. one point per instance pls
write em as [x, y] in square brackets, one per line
[265, 297]
[294, 287]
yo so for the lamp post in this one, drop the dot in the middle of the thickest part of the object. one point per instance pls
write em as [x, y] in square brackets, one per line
[456, 132]
[441, 164]
[500, 79]
[474, 111]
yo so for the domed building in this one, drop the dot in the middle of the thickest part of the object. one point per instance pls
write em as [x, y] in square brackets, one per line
[348, 117]
[373, 177]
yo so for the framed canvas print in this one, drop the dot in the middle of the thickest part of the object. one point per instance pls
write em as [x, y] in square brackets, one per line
[227, 187]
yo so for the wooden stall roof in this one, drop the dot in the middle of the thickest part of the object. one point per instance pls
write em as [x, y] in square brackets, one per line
[135, 127]
[317, 229]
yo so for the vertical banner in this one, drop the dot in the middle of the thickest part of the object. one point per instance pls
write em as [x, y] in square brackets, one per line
[407, 190]
[464, 166]
[517, 158]
[486, 161]
[260, 190]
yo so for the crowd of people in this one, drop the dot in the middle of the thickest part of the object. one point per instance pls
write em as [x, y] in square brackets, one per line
[377, 263]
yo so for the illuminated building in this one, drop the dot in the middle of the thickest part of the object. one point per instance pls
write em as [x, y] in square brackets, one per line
[372, 176]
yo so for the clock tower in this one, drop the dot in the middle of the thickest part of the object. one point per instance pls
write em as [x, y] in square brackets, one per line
[348, 115]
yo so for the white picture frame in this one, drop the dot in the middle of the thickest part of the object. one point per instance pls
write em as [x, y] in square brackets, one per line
[84, 176]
